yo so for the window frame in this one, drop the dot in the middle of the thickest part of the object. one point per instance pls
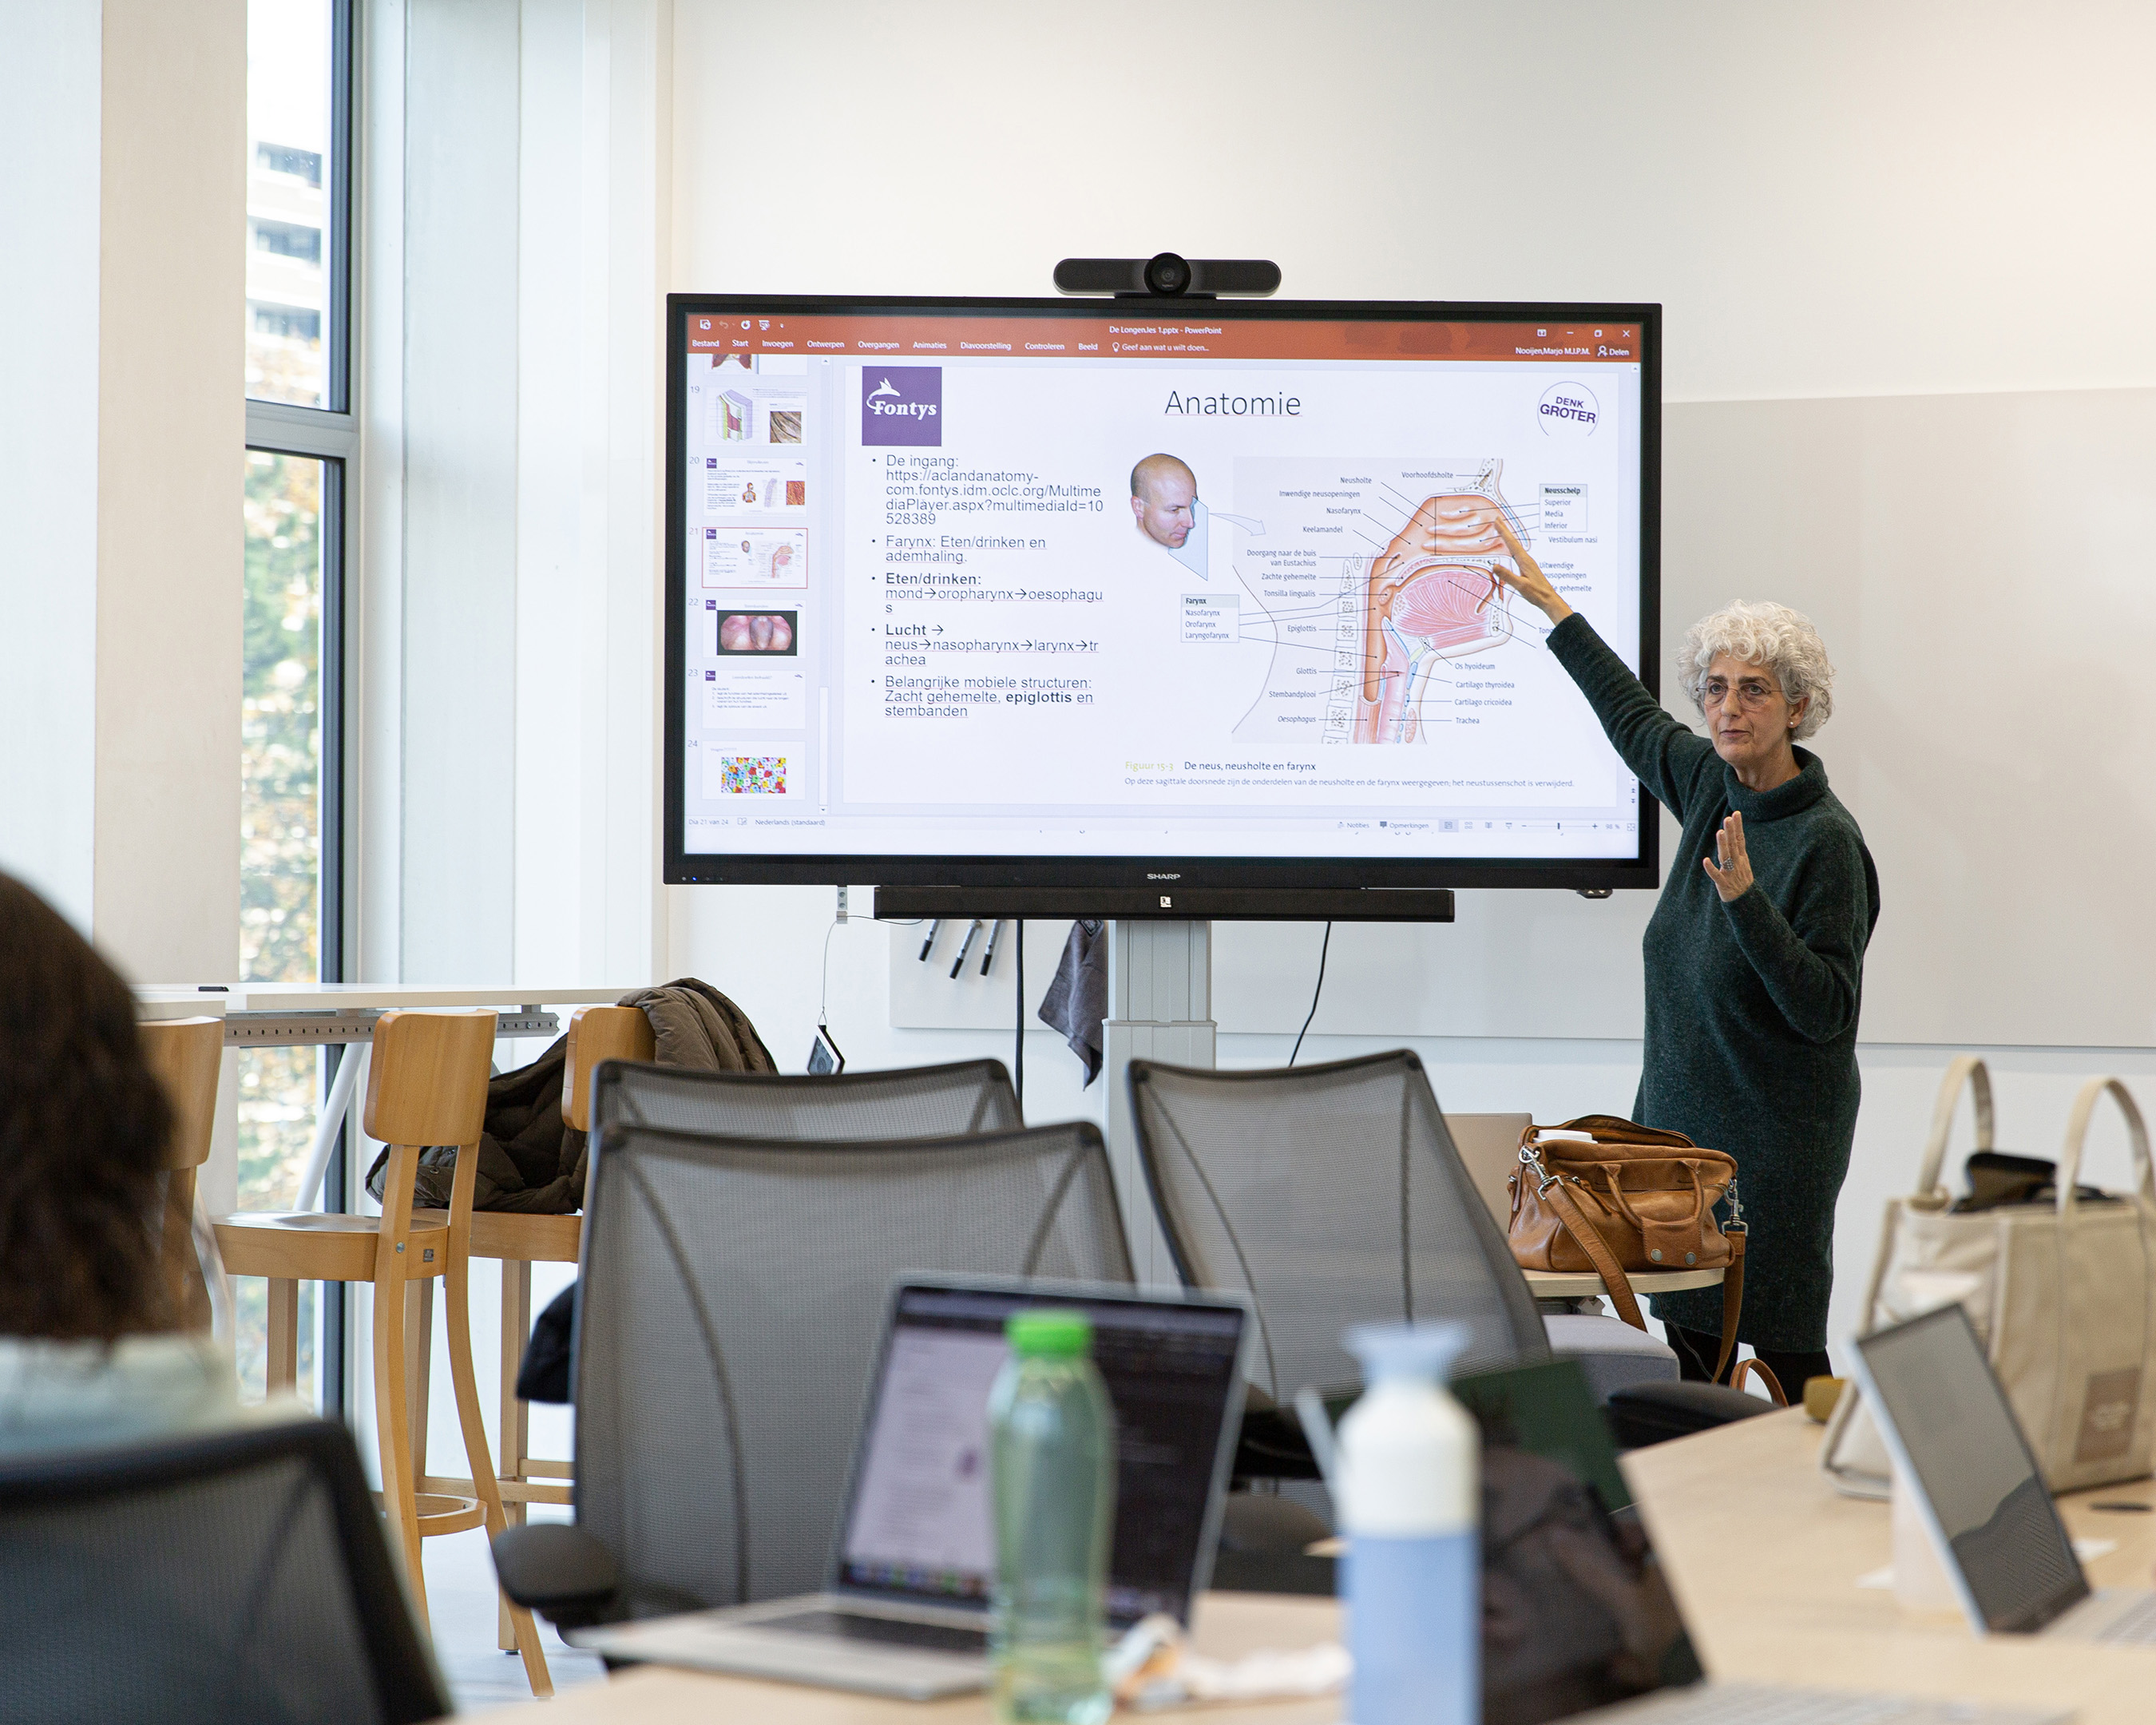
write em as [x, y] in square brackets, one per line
[331, 435]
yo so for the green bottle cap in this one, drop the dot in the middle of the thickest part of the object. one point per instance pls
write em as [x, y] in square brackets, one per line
[1049, 1334]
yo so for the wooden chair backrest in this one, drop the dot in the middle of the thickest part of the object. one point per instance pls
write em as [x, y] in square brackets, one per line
[426, 1085]
[595, 1034]
[186, 1055]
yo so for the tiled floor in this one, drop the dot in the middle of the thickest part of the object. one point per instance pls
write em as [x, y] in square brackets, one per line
[460, 1599]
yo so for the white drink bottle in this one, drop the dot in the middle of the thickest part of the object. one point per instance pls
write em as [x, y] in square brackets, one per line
[1408, 1490]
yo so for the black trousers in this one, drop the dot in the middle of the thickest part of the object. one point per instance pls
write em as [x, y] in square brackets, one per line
[1698, 1350]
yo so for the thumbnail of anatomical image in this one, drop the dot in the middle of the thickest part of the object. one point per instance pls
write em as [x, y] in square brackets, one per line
[770, 632]
[1429, 597]
[755, 557]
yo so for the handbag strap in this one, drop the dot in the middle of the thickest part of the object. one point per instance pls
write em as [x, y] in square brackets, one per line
[1613, 1184]
[1757, 1367]
[1967, 1069]
[2077, 1121]
[1550, 1188]
[1732, 1294]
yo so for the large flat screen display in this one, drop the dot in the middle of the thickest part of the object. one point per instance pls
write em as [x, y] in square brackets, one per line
[1072, 593]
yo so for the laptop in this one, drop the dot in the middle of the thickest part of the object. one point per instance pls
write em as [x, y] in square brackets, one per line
[1952, 1433]
[1579, 1621]
[905, 1606]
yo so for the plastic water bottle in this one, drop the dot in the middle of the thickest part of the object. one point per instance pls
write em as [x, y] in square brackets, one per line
[1409, 1470]
[1052, 1471]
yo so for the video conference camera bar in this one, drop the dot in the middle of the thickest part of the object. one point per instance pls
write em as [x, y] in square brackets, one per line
[1167, 276]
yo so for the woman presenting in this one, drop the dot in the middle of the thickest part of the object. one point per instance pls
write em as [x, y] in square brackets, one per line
[1754, 958]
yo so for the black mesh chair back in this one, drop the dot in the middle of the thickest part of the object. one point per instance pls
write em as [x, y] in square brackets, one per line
[734, 1290]
[238, 1578]
[1330, 1195]
[908, 1102]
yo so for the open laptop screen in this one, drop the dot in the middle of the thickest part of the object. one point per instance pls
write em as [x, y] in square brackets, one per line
[918, 1524]
[1961, 1439]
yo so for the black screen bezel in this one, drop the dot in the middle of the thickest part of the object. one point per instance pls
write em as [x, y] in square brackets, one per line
[1075, 874]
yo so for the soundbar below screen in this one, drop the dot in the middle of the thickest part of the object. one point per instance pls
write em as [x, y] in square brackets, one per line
[957, 585]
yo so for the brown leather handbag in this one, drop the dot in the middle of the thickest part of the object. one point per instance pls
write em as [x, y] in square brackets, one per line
[1610, 1195]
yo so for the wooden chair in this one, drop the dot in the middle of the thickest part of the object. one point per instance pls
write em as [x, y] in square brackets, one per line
[426, 1085]
[520, 1240]
[185, 1053]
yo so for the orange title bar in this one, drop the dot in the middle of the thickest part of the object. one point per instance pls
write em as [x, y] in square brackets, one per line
[1153, 337]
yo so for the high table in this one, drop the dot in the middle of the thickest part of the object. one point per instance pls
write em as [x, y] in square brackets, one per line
[284, 1015]
[1764, 1556]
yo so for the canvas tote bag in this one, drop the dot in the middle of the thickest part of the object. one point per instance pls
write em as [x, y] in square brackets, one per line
[2061, 1293]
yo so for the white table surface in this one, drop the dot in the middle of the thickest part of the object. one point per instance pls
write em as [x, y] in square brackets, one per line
[342, 997]
[1564, 1284]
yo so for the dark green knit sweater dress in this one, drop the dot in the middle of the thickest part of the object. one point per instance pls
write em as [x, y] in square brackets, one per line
[1752, 1005]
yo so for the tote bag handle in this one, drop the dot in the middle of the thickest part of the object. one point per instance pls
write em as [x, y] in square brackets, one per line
[1970, 1069]
[2070, 1154]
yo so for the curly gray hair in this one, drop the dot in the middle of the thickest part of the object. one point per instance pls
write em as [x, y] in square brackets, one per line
[1768, 634]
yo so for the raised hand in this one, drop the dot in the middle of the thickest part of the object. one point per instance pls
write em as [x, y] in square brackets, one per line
[1526, 577]
[1732, 878]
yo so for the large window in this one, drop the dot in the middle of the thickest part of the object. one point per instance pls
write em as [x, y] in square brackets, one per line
[281, 826]
[296, 263]
[302, 446]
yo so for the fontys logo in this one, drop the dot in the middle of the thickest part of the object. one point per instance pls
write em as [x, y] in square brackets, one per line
[902, 404]
[1568, 410]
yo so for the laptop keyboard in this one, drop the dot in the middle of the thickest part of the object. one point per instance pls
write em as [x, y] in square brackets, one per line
[883, 1631]
[2137, 1626]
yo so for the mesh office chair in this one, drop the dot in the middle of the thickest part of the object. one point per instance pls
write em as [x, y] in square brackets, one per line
[733, 1291]
[1332, 1195]
[238, 1578]
[908, 1102]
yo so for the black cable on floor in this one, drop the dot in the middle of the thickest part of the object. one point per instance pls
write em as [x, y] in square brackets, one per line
[1019, 1058]
[1314, 995]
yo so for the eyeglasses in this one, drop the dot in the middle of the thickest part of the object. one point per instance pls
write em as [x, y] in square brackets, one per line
[1751, 692]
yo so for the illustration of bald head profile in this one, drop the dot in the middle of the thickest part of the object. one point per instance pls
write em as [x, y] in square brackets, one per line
[1164, 499]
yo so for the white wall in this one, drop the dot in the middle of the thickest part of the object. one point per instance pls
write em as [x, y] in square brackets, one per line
[1830, 200]
[48, 284]
[121, 445]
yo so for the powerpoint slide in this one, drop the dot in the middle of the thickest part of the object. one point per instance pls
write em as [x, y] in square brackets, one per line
[1090, 563]
[756, 557]
[764, 692]
[780, 418]
[749, 771]
[760, 632]
[730, 487]
[744, 399]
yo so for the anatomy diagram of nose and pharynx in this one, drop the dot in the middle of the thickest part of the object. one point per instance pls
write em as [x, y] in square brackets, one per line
[1375, 585]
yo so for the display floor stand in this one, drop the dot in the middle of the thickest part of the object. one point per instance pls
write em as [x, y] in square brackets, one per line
[1160, 1008]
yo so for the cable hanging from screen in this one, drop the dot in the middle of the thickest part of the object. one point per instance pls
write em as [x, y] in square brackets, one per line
[1315, 993]
[1018, 1054]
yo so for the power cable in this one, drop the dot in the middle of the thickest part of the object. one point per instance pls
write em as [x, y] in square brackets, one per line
[1018, 1055]
[1314, 995]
